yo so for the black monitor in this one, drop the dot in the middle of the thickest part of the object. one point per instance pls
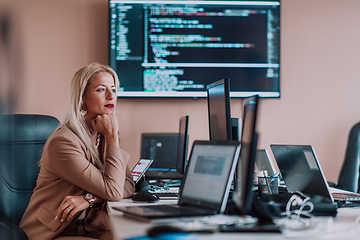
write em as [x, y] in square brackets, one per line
[242, 195]
[162, 148]
[173, 48]
[183, 144]
[219, 115]
[168, 150]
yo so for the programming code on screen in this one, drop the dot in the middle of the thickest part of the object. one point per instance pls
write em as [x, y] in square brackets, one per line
[178, 49]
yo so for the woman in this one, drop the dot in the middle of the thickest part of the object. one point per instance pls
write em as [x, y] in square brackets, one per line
[82, 165]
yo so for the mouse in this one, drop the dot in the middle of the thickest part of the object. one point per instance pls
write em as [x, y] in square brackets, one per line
[161, 229]
[145, 196]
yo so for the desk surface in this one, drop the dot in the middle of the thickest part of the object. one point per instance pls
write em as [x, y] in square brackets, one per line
[341, 227]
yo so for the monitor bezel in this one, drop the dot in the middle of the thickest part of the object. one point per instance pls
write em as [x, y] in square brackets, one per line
[183, 145]
[226, 97]
[243, 192]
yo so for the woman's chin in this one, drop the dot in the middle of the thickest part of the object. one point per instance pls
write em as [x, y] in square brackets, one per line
[108, 112]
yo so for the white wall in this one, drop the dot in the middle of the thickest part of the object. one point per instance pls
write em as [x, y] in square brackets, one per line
[319, 74]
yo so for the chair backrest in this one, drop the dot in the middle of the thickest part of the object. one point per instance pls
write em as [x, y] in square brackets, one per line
[349, 174]
[22, 138]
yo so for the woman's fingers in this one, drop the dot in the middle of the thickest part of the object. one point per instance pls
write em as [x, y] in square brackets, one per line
[60, 211]
[66, 211]
[70, 206]
[69, 213]
[105, 124]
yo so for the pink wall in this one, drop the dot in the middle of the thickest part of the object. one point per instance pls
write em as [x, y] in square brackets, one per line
[319, 74]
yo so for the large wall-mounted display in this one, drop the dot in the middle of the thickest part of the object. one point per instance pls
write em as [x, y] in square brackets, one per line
[176, 48]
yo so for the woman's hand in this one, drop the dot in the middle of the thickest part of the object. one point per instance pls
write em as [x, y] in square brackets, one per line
[107, 125]
[70, 206]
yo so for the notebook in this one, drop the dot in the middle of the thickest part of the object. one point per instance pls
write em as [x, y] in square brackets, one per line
[205, 186]
[302, 172]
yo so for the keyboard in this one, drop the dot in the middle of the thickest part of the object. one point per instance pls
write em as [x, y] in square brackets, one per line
[178, 210]
[339, 196]
[167, 195]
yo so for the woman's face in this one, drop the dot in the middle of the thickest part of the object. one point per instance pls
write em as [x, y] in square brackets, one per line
[100, 96]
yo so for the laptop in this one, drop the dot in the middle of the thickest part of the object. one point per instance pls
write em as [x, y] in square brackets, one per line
[302, 172]
[205, 186]
[263, 162]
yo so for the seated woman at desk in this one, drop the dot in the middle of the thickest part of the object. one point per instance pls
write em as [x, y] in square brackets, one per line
[82, 165]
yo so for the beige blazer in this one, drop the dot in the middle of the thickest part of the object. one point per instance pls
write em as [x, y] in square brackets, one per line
[66, 171]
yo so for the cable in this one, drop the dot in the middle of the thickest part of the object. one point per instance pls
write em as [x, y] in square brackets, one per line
[312, 227]
[294, 218]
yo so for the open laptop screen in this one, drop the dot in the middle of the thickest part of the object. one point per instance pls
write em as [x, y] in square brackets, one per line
[210, 171]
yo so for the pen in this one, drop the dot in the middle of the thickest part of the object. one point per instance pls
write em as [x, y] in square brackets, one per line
[276, 174]
[270, 181]
[267, 184]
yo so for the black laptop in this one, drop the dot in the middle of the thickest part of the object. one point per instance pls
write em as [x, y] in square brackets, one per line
[205, 187]
[263, 162]
[302, 172]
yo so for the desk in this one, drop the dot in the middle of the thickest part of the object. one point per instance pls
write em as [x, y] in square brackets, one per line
[340, 227]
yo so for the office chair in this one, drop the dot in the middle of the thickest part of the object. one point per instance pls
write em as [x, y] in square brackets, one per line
[349, 174]
[22, 138]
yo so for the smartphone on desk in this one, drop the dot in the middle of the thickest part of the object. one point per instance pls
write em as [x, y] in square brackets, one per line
[140, 168]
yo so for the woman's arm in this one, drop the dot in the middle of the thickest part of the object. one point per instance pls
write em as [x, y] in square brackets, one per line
[129, 187]
[69, 161]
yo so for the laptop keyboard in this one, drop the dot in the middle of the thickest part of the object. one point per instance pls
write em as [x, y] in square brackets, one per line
[174, 209]
[167, 195]
[346, 196]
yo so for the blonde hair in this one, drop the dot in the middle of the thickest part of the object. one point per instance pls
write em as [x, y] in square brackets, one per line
[74, 120]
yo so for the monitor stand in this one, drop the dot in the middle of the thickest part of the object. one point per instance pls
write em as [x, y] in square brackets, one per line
[264, 224]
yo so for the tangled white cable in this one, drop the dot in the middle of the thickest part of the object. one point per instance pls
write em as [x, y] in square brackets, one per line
[299, 223]
[294, 201]
[294, 218]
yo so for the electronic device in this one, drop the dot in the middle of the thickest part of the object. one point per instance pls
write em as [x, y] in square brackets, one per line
[263, 162]
[163, 149]
[242, 195]
[168, 150]
[211, 163]
[302, 172]
[300, 169]
[236, 128]
[167, 195]
[157, 230]
[140, 168]
[183, 144]
[173, 48]
[145, 196]
[219, 112]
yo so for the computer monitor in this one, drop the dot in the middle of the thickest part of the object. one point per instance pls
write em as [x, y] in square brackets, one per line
[171, 48]
[168, 150]
[219, 115]
[242, 195]
[162, 148]
[183, 144]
